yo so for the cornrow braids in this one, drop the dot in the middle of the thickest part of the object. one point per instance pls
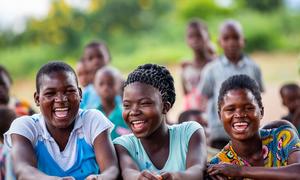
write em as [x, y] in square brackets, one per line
[156, 76]
[241, 81]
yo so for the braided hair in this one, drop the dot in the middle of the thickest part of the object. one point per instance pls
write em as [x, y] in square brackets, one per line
[156, 76]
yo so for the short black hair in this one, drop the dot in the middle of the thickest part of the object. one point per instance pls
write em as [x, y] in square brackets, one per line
[51, 67]
[7, 116]
[241, 81]
[157, 76]
[289, 86]
[185, 115]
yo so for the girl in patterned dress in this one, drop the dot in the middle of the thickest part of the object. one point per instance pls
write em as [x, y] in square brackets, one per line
[272, 152]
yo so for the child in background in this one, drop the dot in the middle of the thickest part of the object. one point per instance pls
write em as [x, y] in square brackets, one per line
[194, 115]
[233, 62]
[7, 115]
[20, 107]
[156, 150]
[272, 152]
[106, 85]
[95, 56]
[63, 140]
[198, 40]
[290, 95]
[197, 116]
[83, 74]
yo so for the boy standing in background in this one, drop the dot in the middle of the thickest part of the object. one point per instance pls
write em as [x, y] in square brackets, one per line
[234, 61]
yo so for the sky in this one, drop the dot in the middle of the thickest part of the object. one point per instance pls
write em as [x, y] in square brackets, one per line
[13, 13]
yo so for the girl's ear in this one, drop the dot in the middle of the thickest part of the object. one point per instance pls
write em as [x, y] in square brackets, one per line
[262, 111]
[166, 107]
[36, 99]
[80, 93]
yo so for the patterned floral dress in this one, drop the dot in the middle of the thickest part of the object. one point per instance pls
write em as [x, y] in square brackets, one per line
[278, 144]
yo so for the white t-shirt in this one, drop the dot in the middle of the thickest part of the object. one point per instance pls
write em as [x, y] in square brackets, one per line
[88, 125]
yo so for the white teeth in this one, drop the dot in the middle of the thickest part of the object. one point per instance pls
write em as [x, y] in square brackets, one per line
[137, 122]
[241, 124]
[61, 109]
[61, 112]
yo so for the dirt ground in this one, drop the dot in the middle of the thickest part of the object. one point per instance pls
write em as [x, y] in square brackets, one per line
[277, 69]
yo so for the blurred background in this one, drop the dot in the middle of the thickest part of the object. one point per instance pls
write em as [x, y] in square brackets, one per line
[33, 32]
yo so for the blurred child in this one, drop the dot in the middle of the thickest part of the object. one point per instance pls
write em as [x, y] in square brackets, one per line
[194, 115]
[7, 115]
[20, 107]
[83, 74]
[63, 140]
[156, 150]
[233, 62]
[197, 116]
[290, 95]
[272, 152]
[95, 56]
[106, 85]
[198, 40]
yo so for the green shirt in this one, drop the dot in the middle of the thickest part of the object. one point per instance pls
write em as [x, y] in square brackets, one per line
[117, 119]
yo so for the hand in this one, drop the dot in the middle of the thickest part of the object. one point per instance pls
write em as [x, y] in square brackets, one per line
[229, 170]
[144, 175]
[94, 177]
[167, 176]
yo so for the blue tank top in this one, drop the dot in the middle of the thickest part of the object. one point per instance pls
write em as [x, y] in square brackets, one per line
[84, 165]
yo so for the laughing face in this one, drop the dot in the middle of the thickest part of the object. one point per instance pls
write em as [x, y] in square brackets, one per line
[240, 114]
[143, 109]
[58, 97]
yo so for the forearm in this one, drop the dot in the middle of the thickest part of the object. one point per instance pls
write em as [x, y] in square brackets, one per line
[130, 174]
[194, 172]
[288, 172]
[110, 173]
[27, 172]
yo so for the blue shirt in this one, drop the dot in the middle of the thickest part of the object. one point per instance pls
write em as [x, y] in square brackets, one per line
[78, 159]
[91, 100]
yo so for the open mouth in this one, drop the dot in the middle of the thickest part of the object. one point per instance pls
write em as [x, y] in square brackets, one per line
[138, 125]
[240, 126]
[61, 112]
